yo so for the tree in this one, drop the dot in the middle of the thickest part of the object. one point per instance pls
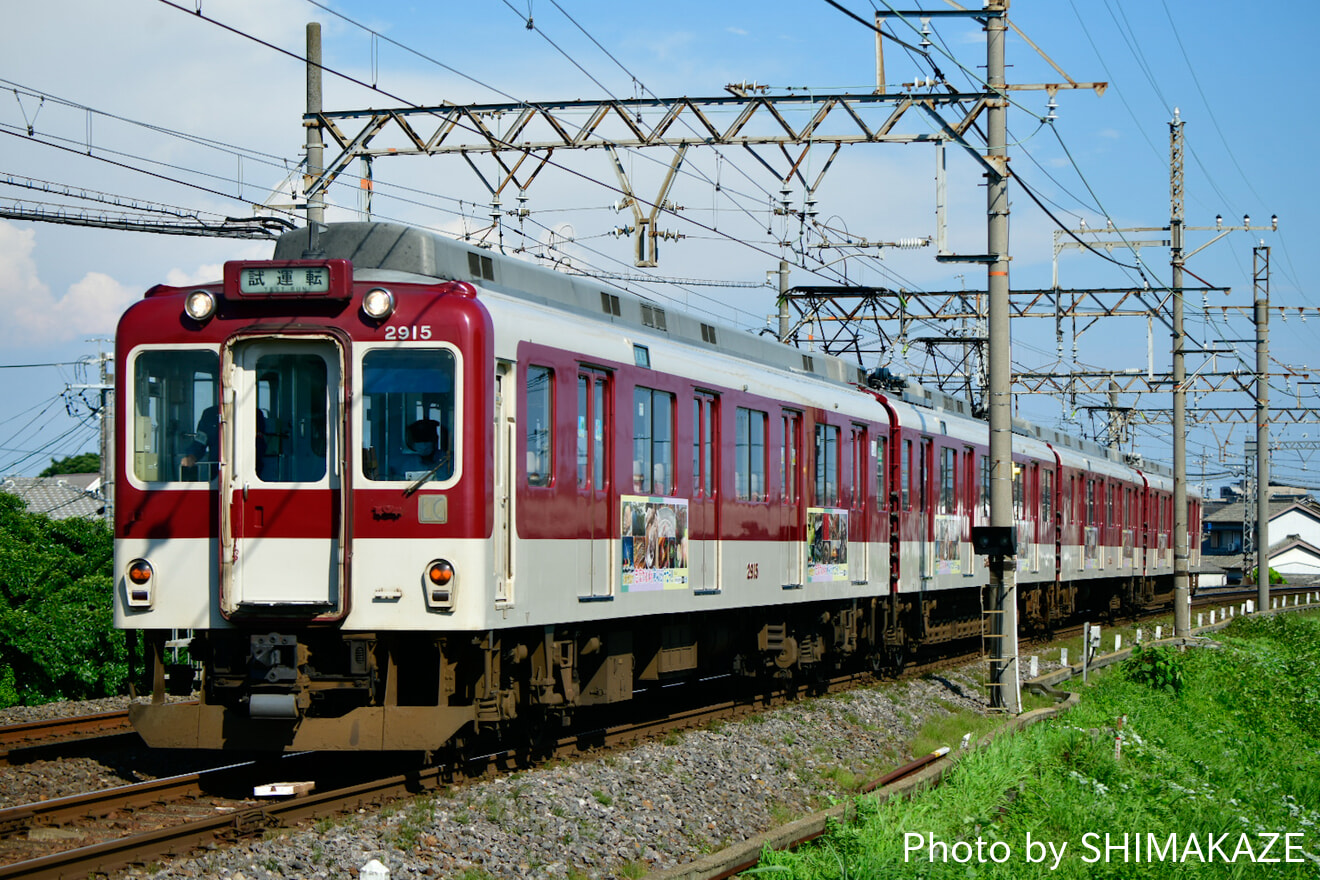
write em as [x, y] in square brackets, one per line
[57, 635]
[82, 463]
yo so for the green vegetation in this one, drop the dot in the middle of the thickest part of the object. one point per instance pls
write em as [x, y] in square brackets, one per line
[1211, 756]
[1275, 577]
[57, 639]
[82, 463]
[1162, 668]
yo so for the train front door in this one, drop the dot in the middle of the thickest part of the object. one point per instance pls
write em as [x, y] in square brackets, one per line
[282, 451]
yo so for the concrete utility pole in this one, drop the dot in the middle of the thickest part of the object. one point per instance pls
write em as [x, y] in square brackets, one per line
[107, 433]
[1005, 690]
[315, 146]
[1261, 274]
[1182, 608]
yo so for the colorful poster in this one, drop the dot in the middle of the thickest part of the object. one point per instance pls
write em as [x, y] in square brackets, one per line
[948, 543]
[655, 543]
[1091, 535]
[827, 544]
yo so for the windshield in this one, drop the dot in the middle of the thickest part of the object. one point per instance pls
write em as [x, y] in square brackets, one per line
[175, 431]
[408, 420]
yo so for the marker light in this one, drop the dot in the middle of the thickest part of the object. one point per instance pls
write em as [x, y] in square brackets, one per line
[141, 583]
[378, 304]
[199, 305]
[439, 584]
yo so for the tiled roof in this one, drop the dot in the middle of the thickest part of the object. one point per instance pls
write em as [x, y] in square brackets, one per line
[1232, 512]
[58, 497]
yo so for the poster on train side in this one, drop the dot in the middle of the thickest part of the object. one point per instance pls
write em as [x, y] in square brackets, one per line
[948, 543]
[655, 543]
[827, 544]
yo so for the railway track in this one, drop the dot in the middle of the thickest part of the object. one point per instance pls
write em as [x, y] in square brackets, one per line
[115, 828]
[53, 738]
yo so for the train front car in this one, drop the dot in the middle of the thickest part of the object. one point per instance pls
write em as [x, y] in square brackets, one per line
[305, 469]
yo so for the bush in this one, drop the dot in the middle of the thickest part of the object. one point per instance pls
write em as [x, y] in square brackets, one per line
[1275, 578]
[57, 636]
[1161, 668]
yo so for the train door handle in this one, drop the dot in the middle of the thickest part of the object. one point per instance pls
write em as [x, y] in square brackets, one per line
[245, 491]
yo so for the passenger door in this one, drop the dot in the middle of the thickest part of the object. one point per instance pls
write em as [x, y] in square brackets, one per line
[792, 516]
[703, 516]
[594, 433]
[283, 537]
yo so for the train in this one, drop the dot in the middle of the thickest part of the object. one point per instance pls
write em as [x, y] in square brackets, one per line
[405, 492]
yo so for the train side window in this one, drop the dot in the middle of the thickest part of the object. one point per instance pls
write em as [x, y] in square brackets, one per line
[905, 476]
[858, 485]
[985, 490]
[1018, 479]
[173, 392]
[704, 443]
[653, 442]
[948, 480]
[749, 455]
[788, 456]
[408, 414]
[1047, 497]
[593, 413]
[539, 423]
[882, 472]
[827, 466]
[927, 465]
[968, 480]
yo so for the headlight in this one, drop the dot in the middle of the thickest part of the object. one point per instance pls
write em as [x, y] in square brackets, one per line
[199, 305]
[141, 584]
[439, 582]
[378, 304]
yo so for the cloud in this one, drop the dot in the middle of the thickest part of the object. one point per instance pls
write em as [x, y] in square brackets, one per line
[35, 315]
[208, 274]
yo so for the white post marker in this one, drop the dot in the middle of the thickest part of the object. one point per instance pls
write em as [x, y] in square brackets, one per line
[1159, 633]
[1063, 656]
[1118, 642]
[1200, 619]
[1139, 635]
[1033, 666]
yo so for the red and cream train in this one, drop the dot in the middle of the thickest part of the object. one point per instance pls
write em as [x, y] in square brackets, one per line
[415, 490]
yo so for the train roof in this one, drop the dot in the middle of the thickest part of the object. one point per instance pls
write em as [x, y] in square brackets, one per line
[379, 250]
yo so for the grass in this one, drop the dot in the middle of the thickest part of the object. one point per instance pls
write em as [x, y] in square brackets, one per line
[1234, 751]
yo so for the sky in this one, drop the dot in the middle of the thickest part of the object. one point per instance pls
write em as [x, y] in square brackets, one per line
[195, 106]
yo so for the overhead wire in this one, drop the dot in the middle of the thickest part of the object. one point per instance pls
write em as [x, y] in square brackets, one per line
[197, 14]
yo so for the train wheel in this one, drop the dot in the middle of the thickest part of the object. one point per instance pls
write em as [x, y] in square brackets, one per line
[897, 660]
[541, 727]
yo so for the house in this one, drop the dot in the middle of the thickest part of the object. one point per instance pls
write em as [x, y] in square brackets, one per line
[59, 497]
[1294, 535]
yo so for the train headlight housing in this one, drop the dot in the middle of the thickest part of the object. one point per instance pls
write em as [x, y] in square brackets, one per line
[378, 304]
[200, 305]
[439, 581]
[140, 579]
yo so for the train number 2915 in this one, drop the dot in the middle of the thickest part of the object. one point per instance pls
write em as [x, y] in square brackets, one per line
[405, 332]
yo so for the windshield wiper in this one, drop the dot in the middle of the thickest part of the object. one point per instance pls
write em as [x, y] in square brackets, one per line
[444, 460]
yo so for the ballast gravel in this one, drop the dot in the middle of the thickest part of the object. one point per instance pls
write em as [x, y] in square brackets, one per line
[621, 814]
[45, 780]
